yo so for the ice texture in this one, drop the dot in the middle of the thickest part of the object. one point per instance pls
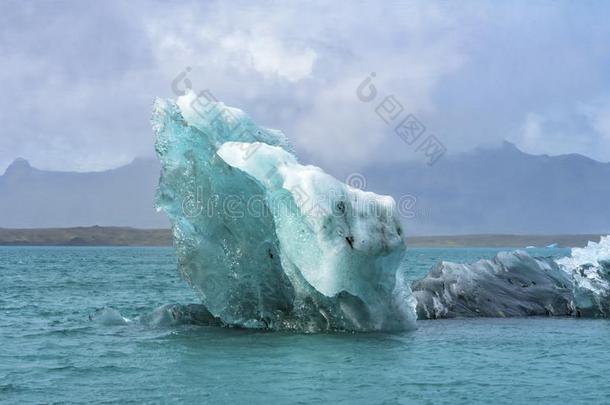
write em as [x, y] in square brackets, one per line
[517, 284]
[268, 242]
[512, 284]
[589, 268]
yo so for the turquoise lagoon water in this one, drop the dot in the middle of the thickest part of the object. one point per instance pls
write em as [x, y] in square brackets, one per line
[50, 352]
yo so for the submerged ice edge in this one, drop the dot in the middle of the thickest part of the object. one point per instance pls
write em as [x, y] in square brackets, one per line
[517, 284]
[333, 265]
[165, 315]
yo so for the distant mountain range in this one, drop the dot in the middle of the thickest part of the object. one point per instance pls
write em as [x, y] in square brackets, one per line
[487, 191]
[32, 198]
[501, 190]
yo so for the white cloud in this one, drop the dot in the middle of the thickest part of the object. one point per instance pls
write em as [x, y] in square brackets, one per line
[532, 136]
[598, 113]
[269, 56]
[580, 127]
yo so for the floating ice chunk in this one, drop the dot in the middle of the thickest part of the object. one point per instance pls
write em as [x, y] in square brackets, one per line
[177, 314]
[512, 284]
[270, 243]
[517, 284]
[108, 316]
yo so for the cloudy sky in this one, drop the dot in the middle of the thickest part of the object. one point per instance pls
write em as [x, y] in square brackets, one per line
[78, 78]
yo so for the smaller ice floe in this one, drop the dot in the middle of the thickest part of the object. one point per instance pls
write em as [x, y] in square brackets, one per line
[530, 247]
[108, 316]
[517, 284]
[552, 245]
[177, 314]
[165, 315]
[512, 284]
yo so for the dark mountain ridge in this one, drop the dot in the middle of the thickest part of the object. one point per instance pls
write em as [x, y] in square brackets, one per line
[487, 191]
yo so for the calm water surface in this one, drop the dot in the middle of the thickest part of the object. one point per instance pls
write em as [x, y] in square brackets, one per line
[50, 352]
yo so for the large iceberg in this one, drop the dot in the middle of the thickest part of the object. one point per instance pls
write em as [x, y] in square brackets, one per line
[268, 242]
[517, 284]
